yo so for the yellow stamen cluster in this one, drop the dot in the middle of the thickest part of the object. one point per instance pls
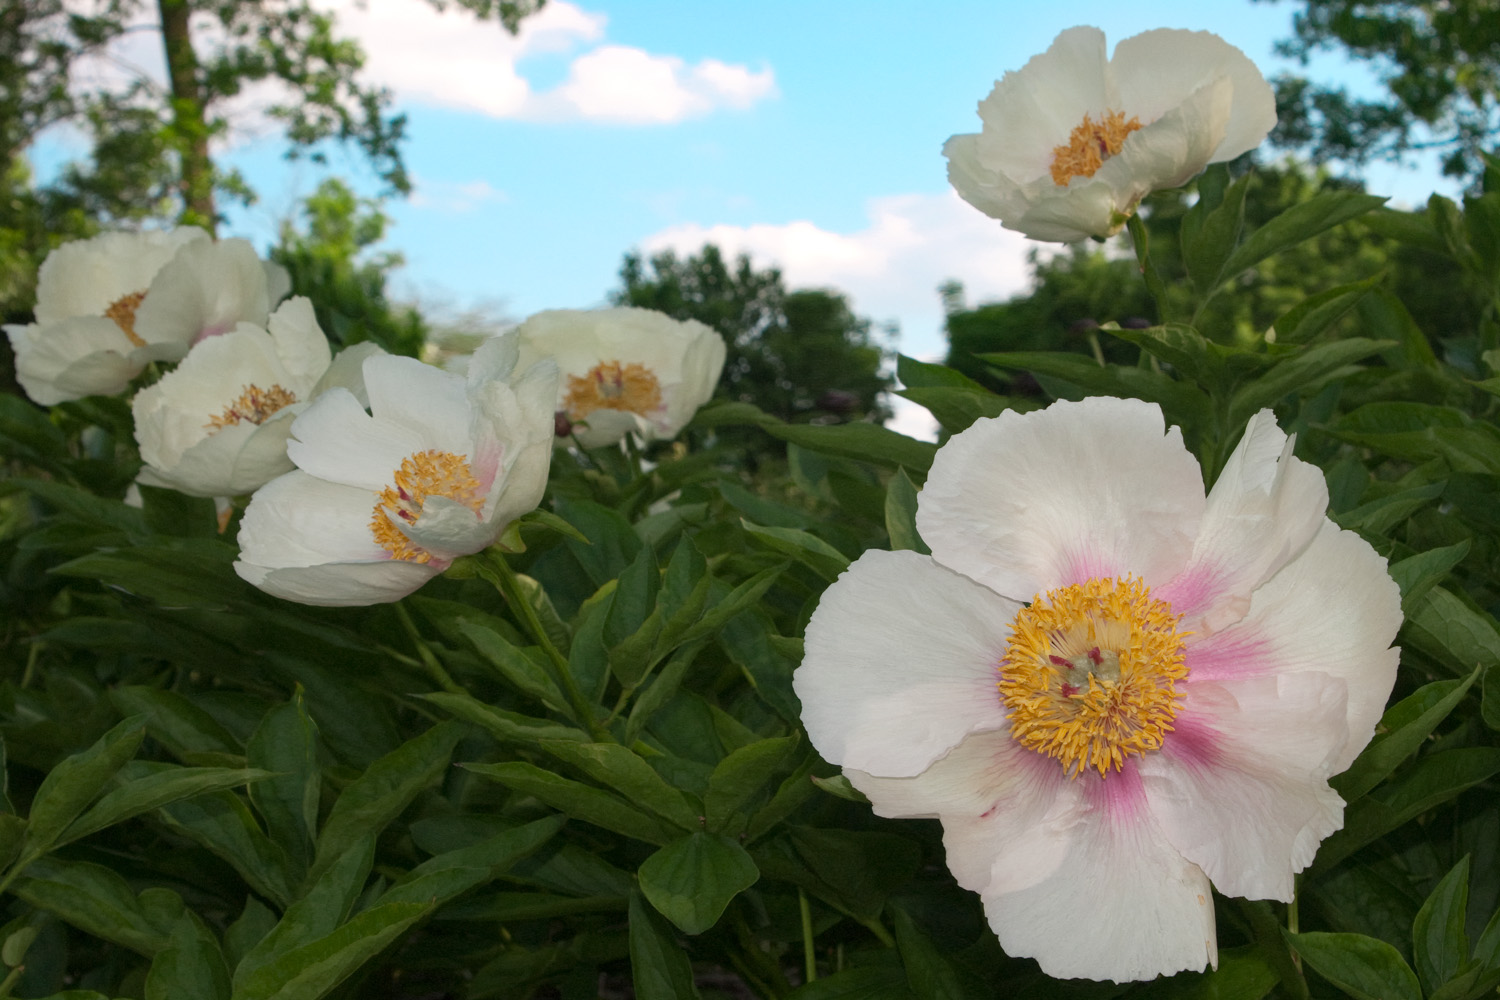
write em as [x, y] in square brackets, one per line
[1089, 674]
[422, 475]
[610, 385]
[254, 405]
[1090, 144]
[122, 311]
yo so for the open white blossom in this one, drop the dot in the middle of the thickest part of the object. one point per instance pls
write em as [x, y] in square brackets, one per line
[625, 370]
[218, 424]
[1073, 140]
[1111, 689]
[381, 502]
[110, 305]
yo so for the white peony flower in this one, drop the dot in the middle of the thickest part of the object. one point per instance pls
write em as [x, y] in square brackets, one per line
[1166, 710]
[218, 424]
[108, 306]
[1073, 141]
[381, 502]
[625, 370]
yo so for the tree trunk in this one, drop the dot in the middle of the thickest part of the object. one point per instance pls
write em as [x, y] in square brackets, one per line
[189, 125]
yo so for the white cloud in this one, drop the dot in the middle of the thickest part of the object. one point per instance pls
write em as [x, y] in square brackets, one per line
[448, 59]
[452, 196]
[891, 268]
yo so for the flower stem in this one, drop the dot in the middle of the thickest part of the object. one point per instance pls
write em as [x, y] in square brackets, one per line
[499, 572]
[809, 956]
[425, 653]
[1142, 242]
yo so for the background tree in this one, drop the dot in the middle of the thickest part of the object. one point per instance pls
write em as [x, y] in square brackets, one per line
[798, 355]
[1439, 61]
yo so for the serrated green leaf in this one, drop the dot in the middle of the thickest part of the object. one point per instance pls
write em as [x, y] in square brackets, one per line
[1439, 944]
[1402, 730]
[1363, 967]
[623, 770]
[386, 788]
[691, 880]
[584, 802]
[659, 969]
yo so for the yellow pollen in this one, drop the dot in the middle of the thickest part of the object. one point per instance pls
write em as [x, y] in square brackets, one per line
[610, 385]
[122, 311]
[1090, 144]
[254, 405]
[425, 474]
[1089, 675]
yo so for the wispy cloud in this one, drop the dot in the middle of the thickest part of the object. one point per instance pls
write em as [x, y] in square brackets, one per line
[453, 197]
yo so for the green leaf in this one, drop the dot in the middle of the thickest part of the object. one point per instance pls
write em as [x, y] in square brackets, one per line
[623, 770]
[635, 597]
[956, 408]
[191, 965]
[1445, 628]
[310, 971]
[840, 786]
[255, 921]
[516, 665]
[901, 514]
[75, 782]
[857, 871]
[1208, 241]
[286, 742]
[741, 779]
[584, 802]
[1296, 225]
[1316, 313]
[182, 576]
[744, 596]
[386, 788]
[547, 519]
[807, 548]
[151, 789]
[1179, 398]
[1418, 574]
[659, 969]
[1381, 515]
[174, 721]
[95, 900]
[12, 833]
[1430, 782]
[916, 374]
[1363, 967]
[1298, 372]
[661, 690]
[1402, 730]
[508, 727]
[866, 442]
[691, 880]
[320, 910]
[222, 823]
[1383, 316]
[928, 972]
[444, 876]
[1242, 974]
[874, 981]
[1439, 943]
[1491, 698]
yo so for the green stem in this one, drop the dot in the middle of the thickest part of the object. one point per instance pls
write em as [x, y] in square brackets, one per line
[499, 572]
[1142, 242]
[10, 981]
[425, 653]
[809, 956]
[32, 655]
[878, 929]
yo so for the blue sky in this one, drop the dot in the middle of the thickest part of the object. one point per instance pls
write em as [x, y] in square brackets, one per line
[808, 133]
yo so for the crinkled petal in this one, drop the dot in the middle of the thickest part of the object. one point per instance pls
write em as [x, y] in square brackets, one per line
[1156, 70]
[449, 529]
[205, 290]
[1263, 510]
[1172, 149]
[335, 439]
[1240, 786]
[900, 663]
[1333, 610]
[1024, 503]
[1086, 207]
[1121, 905]
[986, 189]
[300, 344]
[86, 277]
[998, 802]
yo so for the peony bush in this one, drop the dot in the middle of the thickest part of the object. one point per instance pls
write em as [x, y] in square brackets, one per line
[344, 675]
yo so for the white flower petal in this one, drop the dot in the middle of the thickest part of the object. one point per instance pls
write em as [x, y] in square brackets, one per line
[339, 585]
[1122, 904]
[889, 685]
[300, 520]
[1264, 509]
[1172, 149]
[86, 277]
[335, 439]
[1333, 610]
[203, 291]
[1023, 503]
[1156, 69]
[300, 344]
[72, 358]
[420, 399]
[1240, 786]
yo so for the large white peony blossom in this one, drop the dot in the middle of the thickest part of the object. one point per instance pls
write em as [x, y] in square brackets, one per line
[625, 370]
[218, 424]
[108, 306]
[381, 502]
[1073, 140]
[1111, 690]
